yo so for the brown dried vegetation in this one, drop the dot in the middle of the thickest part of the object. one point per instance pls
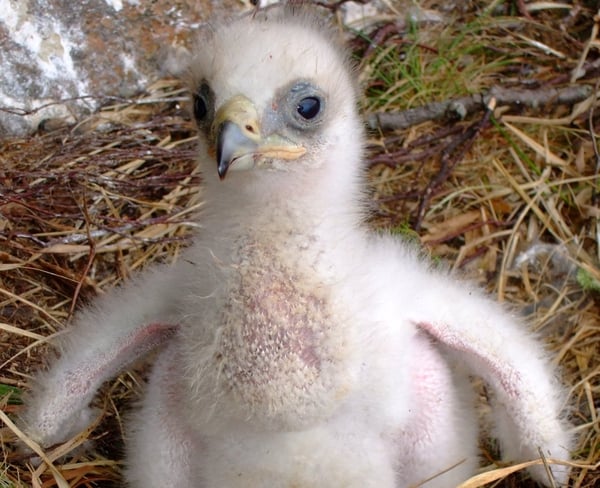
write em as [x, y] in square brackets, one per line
[509, 196]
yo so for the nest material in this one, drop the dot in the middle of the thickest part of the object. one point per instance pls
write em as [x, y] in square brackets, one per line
[510, 198]
[83, 208]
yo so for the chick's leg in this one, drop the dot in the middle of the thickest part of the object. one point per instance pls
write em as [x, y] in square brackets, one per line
[479, 333]
[161, 448]
[107, 337]
[439, 443]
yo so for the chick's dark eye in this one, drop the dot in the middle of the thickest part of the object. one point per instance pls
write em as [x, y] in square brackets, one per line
[200, 107]
[309, 107]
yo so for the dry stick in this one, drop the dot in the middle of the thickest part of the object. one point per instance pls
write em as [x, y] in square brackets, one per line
[379, 36]
[60, 480]
[431, 143]
[595, 192]
[334, 7]
[523, 9]
[459, 108]
[578, 72]
[90, 261]
[448, 163]
[101, 97]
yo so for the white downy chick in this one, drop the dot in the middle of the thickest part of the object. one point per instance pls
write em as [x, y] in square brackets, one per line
[297, 348]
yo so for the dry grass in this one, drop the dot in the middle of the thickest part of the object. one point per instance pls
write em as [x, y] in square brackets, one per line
[512, 203]
[82, 209]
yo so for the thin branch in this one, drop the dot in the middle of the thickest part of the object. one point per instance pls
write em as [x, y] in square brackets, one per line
[595, 192]
[450, 158]
[90, 260]
[459, 108]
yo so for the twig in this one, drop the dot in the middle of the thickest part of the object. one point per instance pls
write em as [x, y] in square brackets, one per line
[90, 260]
[432, 144]
[379, 36]
[58, 477]
[578, 72]
[595, 200]
[449, 160]
[523, 9]
[459, 108]
[101, 98]
[336, 5]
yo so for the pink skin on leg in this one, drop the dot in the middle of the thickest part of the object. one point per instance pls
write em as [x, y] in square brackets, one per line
[162, 449]
[527, 394]
[439, 441]
[87, 377]
[60, 409]
[509, 378]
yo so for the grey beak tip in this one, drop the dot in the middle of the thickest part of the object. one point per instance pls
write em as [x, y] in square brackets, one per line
[222, 169]
[232, 143]
[222, 159]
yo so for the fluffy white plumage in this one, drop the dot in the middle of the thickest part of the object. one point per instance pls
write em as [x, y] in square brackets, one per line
[297, 348]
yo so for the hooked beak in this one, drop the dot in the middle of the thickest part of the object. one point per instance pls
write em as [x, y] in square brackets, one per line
[240, 145]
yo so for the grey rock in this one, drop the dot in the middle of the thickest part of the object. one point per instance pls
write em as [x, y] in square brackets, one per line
[59, 59]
